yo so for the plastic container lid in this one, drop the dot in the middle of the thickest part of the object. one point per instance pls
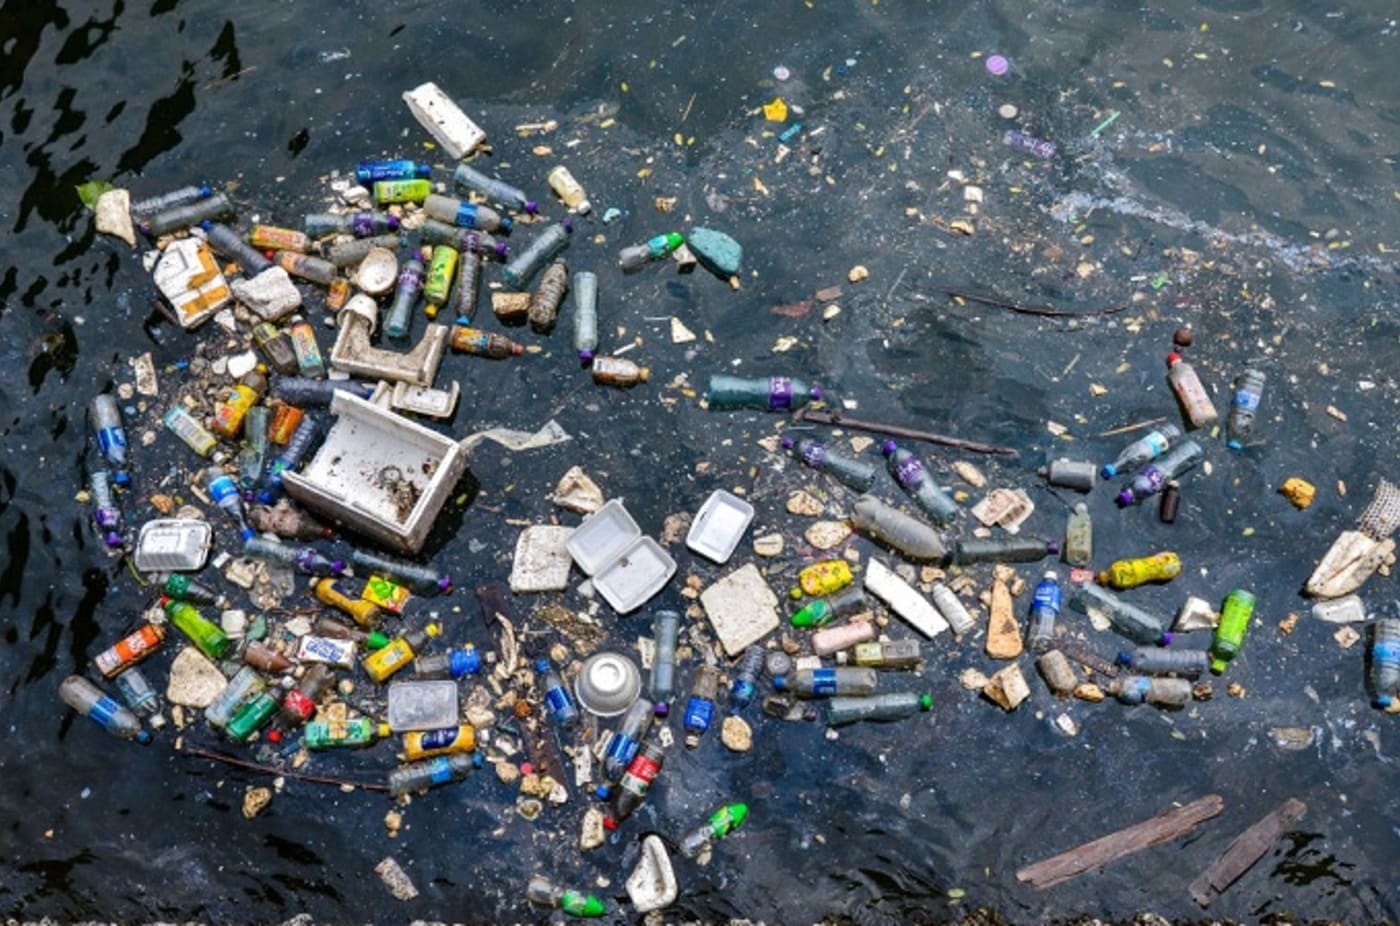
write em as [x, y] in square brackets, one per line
[422, 705]
[172, 545]
[607, 684]
[719, 526]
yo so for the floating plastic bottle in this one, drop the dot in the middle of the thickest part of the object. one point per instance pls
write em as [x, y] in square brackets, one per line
[401, 651]
[540, 251]
[445, 741]
[466, 289]
[359, 224]
[464, 214]
[623, 745]
[163, 201]
[1171, 502]
[825, 682]
[953, 610]
[305, 560]
[106, 418]
[1079, 537]
[858, 474]
[1163, 692]
[186, 427]
[316, 393]
[245, 684]
[454, 663]
[569, 190]
[720, 824]
[1059, 675]
[310, 363]
[1045, 150]
[894, 705]
[295, 450]
[1004, 550]
[1385, 661]
[339, 630]
[765, 393]
[888, 654]
[1130, 573]
[1195, 401]
[542, 891]
[1045, 610]
[299, 704]
[910, 536]
[484, 344]
[387, 192]
[264, 658]
[1070, 474]
[585, 287]
[188, 215]
[288, 523]
[557, 699]
[911, 476]
[224, 491]
[307, 267]
[419, 579]
[229, 414]
[273, 238]
[744, 687]
[1143, 450]
[824, 578]
[1155, 476]
[838, 637]
[419, 776]
[843, 603]
[138, 692]
[402, 169]
[1244, 406]
[106, 514]
[208, 636]
[276, 347]
[400, 315]
[636, 781]
[637, 256]
[548, 296]
[1188, 663]
[618, 371]
[129, 650]
[661, 686]
[229, 244]
[463, 240]
[1235, 615]
[467, 179]
[253, 456]
[182, 588]
[353, 253]
[700, 706]
[332, 734]
[438, 287]
[1127, 619]
[87, 699]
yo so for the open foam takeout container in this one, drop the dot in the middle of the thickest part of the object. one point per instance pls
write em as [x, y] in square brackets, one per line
[627, 568]
[719, 526]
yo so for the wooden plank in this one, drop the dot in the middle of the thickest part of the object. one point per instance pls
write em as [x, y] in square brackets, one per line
[1169, 825]
[1246, 849]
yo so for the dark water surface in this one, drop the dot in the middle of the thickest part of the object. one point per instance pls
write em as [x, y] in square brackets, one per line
[1249, 188]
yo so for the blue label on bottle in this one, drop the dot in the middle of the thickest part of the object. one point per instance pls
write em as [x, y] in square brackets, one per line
[1048, 595]
[621, 749]
[741, 692]
[1246, 400]
[441, 771]
[1135, 691]
[439, 739]
[824, 681]
[113, 443]
[698, 714]
[559, 703]
[1156, 443]
[1386, 653]
[464, 662]
[222, 488]
[466, 215]
[103, 711]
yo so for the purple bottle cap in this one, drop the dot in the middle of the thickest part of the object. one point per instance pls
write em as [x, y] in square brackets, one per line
[338, 567]
[1052, 547]
[998, 65]
[888, 447]
[500, 249]
[568, 224]
[662, 709]
[393, 223]
[112, 539]
[787, 443]
[531, 207]
[585, 358]
[444, 584]
[1125, 497]
[816, 393]
[1167, 638]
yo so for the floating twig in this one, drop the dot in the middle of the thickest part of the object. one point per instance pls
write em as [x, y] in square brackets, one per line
[1137, 426]
[835, 418]
[227, 759]
[1047, 311]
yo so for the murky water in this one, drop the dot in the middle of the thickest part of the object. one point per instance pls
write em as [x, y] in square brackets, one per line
[1247, 188]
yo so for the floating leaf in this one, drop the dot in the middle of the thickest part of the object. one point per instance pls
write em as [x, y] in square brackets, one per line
[91, 191]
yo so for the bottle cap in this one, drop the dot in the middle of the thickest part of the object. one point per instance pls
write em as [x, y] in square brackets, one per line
[888, 447]
[337, 565]
[393, 223]
[788, 443]
[1167, 638]
[1125, 497]
[144, 737]
[112, 539]
[121, 477]
[541, 665]
[1232, 444]
[1217, 666]
[376, 640]
[1124, 658]
[585, 357]
[1051, 575]
[444, 584]
[644, 374]
[1173, 358]
[925, 702]
[501, 249]
[531, 207]
[1052, 547]
[602, 792]
[1384, 701]
[662, 709]
[383, 729]
[432, 630]
[205, 190]
[816, 393]
[780, 682]
[1108, 471]
[506, 223]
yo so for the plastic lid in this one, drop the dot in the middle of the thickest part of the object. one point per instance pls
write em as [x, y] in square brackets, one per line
[337, 566]
[1125, 658]
[602, 792]
[1384, 701]
[531, 207]
[1173, 358]
[500, 249]
[1108, 471]
[205, 190]
[1052, 547]
[433, 630]
[144, 737]
[112, 539]
[1167, 638]
[586, 356]
[1052, 575]
[662, 709]
[888, 447]
[1233, 444]
[541, 665]
[925, 702]
[1217, 666]
[444, 584]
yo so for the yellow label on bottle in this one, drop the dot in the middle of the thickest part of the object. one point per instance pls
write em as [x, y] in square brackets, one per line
[1130, 573]
[384, 663]
[425, 744]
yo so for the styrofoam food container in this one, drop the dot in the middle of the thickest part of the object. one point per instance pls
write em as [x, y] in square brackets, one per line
[719, 526]
[627, 568]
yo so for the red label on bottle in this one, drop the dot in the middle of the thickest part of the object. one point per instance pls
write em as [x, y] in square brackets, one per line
[644, 770]
[299, 704]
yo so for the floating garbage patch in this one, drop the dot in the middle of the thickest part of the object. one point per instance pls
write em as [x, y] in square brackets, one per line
[319, 423]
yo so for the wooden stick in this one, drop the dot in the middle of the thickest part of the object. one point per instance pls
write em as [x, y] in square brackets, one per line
[1047, 311]
[1246, 849]
[269, 770]
[1175, 822]
[1132, 427]
[836, 419]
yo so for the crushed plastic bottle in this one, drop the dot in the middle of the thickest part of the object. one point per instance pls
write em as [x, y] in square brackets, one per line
[466, 179]
[824, 578]
[719, 825]
[637, 256]
[953, 610]
[414, 190]
[700, 706]
[618, 371]
[661, 686]
[419, 579]
[1385, 661]
[1155, 476]
[401, 651]
[1195, 401]
[315, 393]
[106, 514]
[305, 560]
[540, 251]
[466, 289]
[1143, 451]
[484, 344]
[767, 393]
[1127, 619]
[826, 682]
[334, 734]
[463, 240]
[465, 214]
[839, 637]
[585, 287]
[87, 699]
[744, 686]
[276, 347]
[1045, 610]
[307, 267]
[858, 474]
[894, 705]
[1130, 573]
[264, 658]
[625, 742]
[913, 538]
[542, 891]
[208, 636]
[245, 684]
[1163, 692]
[236, 403]
[273, 238]
[419, 776]
[1188, 663]
[1079, 537]
[106, 419]
[410, 284]
[557, 699]
[1235, 615]
[288, 523]
[1244, 406]
[1004, 550]
[252, 457]
[636, 780]
[911, 476]
[188, 428]
[299, 704]
[843, 603]
[251, 716]
[548, 296]
[1070, 474]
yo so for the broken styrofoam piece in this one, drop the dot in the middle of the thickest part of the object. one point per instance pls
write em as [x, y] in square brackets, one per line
[542, 561]
[444, 120]
[188, 277]
[422, 400]
[113, 209]
[903, 599]
[652, 884]
[1196, 614]
[1008, 687]
[742, 609]
[270, 295]
[1350, 561]
[194, 680]
[1006, 507]
[577, 492]
[396, 879]
[354, 354]
[1348, 610]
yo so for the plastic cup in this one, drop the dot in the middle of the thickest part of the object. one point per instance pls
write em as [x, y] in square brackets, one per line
[607, 684]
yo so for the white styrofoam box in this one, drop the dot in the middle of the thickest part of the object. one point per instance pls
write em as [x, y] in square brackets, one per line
[903, 599]
[172, 545]
[627, 568]
[719, 526]
[188, 276]
[379, 473]
[444, 120]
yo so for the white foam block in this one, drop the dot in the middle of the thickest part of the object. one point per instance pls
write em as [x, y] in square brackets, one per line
[903, 599]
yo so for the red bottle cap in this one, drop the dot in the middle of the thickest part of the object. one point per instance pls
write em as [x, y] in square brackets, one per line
[1173, 357]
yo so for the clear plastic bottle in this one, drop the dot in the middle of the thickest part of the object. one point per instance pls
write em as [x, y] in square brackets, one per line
[548, 297]
[1244, 406]
[1163, 692]
[953, 610]
[87, 699]
[637, 256]
[842, 603]
[106, 514]
[106, 419]
[911, 476]
[288, 523]
[467, 179]
[888, 654]
[1188, 663]
[417, 578]
[1130, 573]
[316, 393]
[1045, 610]
[353, 253]
[1079, 537]
[399, 318]
[299, 704]
[1127, 619]
[764, 393]
[557, 700]
[1154, 476]
[307, 267]
[623, 745]
[359, 224]
[129, 650]
[636, 781]
[484, 344]
[540, 251]
[464, 214]
[224, 491]
[305, 560]
[1143, 450]
[188, 215]
[245, 684]
[253, 455]
[569, 190]
[618, 371]
[824, 682]
[894, 705]
[208, 636]
[700, 706]
[401, 651]
[454, 664]
[719, 825]
[542, 891]
[138, 692]
[182, 588]
[398, 169]
[665, 626]
[466, 289]
[910, 536]
[744, 686]
[293, 452]
[229, 244]
[419, 776]
[1235, 615]
[1385, 661]
[163, 201]
[464, 240]
[1004, 550]
[1195, 401]
[585, 315]
[858, 474]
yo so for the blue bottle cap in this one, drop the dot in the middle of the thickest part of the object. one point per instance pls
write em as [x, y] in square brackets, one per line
[506, 223]
[1233, 444]
[1125, 658]
[1108, 471]
[780, 682]
[602, 792]
[1384, 701]
[246, 533]
[205, 190]
[121, 477]
[541, 665]
[144, 737]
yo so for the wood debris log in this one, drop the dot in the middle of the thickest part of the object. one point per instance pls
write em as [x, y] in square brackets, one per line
[891, 430]
[1246, 849]
[1175, 822]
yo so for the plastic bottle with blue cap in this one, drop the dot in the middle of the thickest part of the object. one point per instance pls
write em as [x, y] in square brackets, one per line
[224, 491]
[87, 699]
[1385, 661]
[1142, 451]
[1244, 406]
[106, 420]
[557, 699]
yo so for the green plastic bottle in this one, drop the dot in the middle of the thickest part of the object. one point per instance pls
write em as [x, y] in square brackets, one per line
[1229, 635]
[850, 600]
[542, 891]
[203, 633]
[329, 734]
[720, 824]
[250, 716]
